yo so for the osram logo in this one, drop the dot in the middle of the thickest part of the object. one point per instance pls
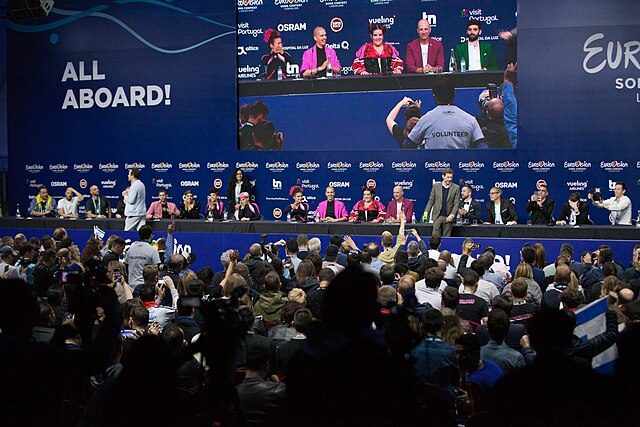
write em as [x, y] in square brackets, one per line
[506, 185]
[340, 184]
[298, 26]
[58, 183]
[189, 183]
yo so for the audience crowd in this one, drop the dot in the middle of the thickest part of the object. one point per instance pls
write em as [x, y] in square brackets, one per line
[290, 333]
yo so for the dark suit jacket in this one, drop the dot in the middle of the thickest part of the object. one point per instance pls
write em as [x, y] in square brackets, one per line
[435, 200]
[487, 56]
[407, 208]
[507, 212]
[541, 215]
[475, 211]
[105, 206]
[435, 55]
[581, 218]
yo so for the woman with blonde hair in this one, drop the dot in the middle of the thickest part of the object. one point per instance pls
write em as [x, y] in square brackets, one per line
[452, 328]
[534, 293]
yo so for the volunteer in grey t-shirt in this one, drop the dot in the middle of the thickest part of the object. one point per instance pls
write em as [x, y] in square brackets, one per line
[446, 126]
[135, 209]
[140, 253]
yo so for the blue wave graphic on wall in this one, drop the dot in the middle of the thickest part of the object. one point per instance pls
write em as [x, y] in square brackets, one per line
[72, 16]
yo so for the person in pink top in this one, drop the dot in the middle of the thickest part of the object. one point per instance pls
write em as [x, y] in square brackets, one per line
[161, 208]
[331, 210]
[320, 57]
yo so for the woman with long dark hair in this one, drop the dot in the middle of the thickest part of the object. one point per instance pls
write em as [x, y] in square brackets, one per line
[377, 57]
[238, 183]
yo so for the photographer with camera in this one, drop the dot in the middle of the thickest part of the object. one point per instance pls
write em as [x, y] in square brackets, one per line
[491, 120]
[411, 115]
[619, 205]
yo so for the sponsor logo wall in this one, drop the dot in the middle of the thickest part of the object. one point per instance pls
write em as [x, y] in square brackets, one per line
[187, 145]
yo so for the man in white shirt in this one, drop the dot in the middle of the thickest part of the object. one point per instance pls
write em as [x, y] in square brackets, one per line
[619, 205]
[68, 206]
[477, 55]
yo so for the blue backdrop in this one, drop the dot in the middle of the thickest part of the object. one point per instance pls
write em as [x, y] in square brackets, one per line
[578, 123]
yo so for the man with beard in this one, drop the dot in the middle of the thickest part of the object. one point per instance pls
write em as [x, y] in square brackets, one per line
[478, 55]
[97, 206]
[68, 206]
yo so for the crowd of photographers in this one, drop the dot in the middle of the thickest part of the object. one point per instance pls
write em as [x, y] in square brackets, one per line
[401, 331]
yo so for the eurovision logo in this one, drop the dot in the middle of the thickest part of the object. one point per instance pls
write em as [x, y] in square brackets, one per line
[247, 166]
[371, 166]
[108, 167]
[507, 166]
[82, 167]
[436, 166]
[541, 166]
[338, 166]
[58, 168]
[403, 166]
[217, 166]
[577, 166]
[189, 167]
[307, 167]
[34, 168]
[161, 167]
[472, 166]
[276, 166]
[614, 166]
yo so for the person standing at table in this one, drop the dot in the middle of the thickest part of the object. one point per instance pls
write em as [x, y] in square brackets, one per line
[320, 57]
[135, 209]
[238, 183]
[445, 202]
[377, 57]
[397, 205]
[619, 205]
[446, 126]
[478, 55]
[424, 54]
[298, 209]
[499, 210]
[331, 210]
[541, 207]
[277, 58]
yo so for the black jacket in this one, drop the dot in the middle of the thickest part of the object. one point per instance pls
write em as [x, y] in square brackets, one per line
[475, 212]
[507, 212]
[582, 218]
[541, 215]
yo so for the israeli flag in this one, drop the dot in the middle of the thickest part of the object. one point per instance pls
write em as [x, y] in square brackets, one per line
[591, 322]
[98, 233]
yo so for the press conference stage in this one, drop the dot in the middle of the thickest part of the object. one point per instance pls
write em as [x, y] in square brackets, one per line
[593, 232]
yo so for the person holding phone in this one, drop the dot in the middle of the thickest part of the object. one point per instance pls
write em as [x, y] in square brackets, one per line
[541, 207]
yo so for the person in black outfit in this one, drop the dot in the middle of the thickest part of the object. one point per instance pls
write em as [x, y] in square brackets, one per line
[189, 208]
[214, 209]
[238, 183]
[541, 207]
[508, 214]
[470, 210]
[246, 211]
[574, 212]
[298, 209]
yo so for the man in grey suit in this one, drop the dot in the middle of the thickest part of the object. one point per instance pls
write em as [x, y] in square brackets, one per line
[443, 213]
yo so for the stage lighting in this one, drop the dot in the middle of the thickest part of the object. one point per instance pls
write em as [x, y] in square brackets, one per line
[29, 9]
